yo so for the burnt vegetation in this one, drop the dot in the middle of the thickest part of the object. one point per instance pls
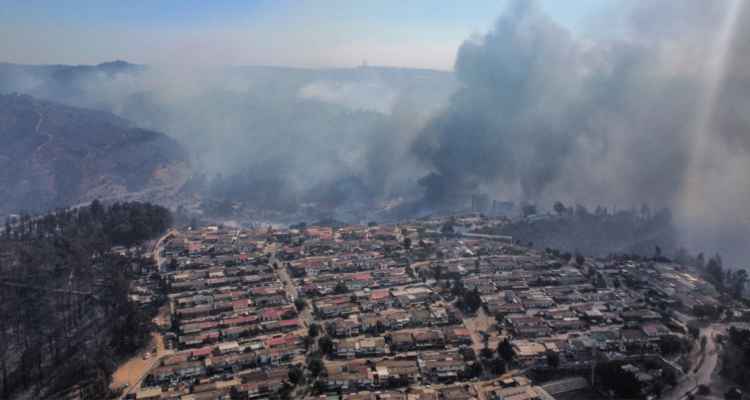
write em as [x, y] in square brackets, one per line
[66, 317]
[591, 233]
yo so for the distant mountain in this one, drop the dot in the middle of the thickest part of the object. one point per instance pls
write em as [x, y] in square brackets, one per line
[53, 155]
[278, 137]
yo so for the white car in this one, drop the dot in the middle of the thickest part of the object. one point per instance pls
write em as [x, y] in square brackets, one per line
[146, 356]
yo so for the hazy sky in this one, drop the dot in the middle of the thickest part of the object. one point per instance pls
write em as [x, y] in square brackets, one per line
[317, 34]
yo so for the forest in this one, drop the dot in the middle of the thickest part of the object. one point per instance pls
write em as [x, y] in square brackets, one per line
[736, 356]
[66, 317]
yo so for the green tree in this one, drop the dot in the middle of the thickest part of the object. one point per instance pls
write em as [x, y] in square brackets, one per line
[380, 327]
[505, 350]
[476, 369]
[693, 329]
[559, 208]
[372, 223]
[326, 344]
[316, 366]
[487, 352]
[474, 300]
[314, 330]
[340, 288]
[300, 304]
[295, 374]
[407, 243]
[669, 377]
[580, 260]
[704, 390]
[733, 394]
[658, 388]
[498, 365]
[553, 359]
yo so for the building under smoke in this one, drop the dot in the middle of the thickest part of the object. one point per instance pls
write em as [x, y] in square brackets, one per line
[479, 203]
[502, 206]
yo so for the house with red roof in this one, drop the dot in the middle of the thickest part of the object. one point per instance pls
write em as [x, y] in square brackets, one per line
[272, 315]
[194, 250]
[289, 324]
[458, 336]
[650, 331]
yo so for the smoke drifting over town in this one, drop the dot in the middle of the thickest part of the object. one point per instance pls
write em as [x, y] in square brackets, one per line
[544, 115]
[649, 106]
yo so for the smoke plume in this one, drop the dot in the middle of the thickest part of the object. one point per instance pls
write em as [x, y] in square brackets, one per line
[544, 115]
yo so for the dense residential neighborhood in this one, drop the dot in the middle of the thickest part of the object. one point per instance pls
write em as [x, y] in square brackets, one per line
[418, 311]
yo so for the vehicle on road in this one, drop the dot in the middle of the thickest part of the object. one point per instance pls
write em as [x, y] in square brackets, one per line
[146, 356]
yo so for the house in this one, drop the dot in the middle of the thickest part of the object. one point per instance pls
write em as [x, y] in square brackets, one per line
[529, 353]
[457, 336]
[435, 367]
[194, 250]
[345, 328]
[533, 331]
[428, 338]
[402, 340]
[149, 394]
[650, 331]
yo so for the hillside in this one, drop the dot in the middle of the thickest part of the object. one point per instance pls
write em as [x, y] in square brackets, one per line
[596, 234]
[53, 155]
[279, 137]
[66, 315]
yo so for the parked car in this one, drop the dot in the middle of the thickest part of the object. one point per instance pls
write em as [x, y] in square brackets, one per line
[146, 356]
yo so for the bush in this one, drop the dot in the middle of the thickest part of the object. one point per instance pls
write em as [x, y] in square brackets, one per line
[704, 390]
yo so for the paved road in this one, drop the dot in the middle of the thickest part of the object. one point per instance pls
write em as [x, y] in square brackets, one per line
[703, 375]
[291, 288]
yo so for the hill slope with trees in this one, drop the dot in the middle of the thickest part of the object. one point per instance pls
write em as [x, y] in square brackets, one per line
[66, 317]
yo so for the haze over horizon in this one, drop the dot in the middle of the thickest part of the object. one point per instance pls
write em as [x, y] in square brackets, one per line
[318, 34]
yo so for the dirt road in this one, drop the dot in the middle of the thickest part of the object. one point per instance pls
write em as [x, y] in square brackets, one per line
[136, 368]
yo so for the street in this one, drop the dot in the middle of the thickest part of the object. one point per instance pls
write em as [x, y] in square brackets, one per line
[703, 375]
[290, 287]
